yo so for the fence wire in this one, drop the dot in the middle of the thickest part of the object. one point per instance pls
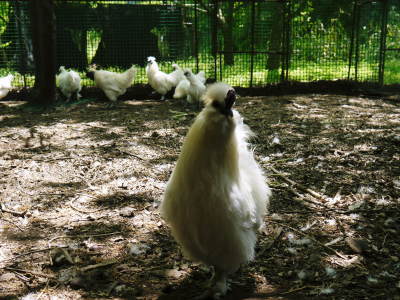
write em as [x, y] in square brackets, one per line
[244, 43]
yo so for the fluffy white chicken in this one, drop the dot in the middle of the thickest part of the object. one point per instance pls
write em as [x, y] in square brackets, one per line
[69, 83]
[196, 88]
[184, 86]
[5, 85]
[160, 81]
[111, 83]
[217, 195]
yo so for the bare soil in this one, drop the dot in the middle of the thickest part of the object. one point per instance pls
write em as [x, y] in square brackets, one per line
[80, 187]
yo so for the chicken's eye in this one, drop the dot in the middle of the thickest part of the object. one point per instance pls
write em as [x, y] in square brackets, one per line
[217, 105]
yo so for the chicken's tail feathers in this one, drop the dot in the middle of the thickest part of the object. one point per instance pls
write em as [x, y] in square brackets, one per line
[151, 59]
[131, 72]
[201, 76]
[62, 69]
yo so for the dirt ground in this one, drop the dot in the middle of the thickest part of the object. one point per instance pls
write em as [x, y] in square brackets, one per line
[80, 188]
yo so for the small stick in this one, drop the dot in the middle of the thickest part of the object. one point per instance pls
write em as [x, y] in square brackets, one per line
[35, 251]
[30, 272]
[312, 238]
[103, 264]
[53, 159]
[338, 239]
[11, 222]
[300, 186]
[79, 210]
[298, 289]
[15, 213]
[131, 154]
[82, 236]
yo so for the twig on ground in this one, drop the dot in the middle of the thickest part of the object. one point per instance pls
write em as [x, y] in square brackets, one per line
[82, 236]
[13, 212]
[30, 272]
[53, 159]
[43, 290]
[338, 239]
[298, 289]
[300, 186]
[80, 210]
[99, 265]
[11, 222]
[131, 154]
[35, 251]
[311, 238]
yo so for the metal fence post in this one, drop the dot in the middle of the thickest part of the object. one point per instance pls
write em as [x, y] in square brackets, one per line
[253, 16]
[352, 38]
[196, 37]
[286, 24]
[382, 46]
[214, 33]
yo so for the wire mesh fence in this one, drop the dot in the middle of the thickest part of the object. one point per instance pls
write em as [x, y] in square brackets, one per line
[244, 43]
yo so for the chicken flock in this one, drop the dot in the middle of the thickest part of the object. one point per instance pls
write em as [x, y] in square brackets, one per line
[217, 195]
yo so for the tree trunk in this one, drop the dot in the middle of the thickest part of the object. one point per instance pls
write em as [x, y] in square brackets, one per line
[228, 35]
[43, 36]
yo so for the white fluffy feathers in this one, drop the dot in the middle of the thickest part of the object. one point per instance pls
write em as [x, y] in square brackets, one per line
[191, 86]
[217, 195]
[69, 83]
[5, 85]
[113, 84]
[160, 81]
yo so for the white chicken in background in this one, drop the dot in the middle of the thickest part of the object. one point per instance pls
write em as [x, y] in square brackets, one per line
[69, 83]
[176, 75]
[197, 87]
[162, 82]
[217, 195]
[111, 83]
[5, 85]
[184, 86]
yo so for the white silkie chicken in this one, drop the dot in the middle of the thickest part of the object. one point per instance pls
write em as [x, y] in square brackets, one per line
[5, 85]
[69, 83]
[217, 195]
[162, 82]
[111, 83]
[184, 86]
[197, 87]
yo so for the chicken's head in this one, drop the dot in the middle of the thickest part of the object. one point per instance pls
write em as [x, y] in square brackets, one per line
[221, 97]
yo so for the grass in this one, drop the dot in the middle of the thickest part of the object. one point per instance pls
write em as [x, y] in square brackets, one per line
[392, 71]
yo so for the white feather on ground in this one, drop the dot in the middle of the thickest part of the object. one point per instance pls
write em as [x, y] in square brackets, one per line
[69, 83]
[162, 82]
[217, 195]
[111, 83]
[5, 85]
